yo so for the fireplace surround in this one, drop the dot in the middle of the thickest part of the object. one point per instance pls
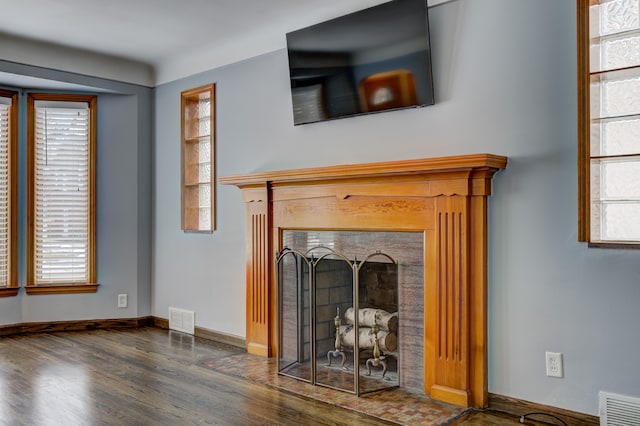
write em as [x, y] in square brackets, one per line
[443, 198]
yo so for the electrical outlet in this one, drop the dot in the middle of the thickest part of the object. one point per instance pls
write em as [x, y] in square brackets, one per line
[122, 300]
[554, 364]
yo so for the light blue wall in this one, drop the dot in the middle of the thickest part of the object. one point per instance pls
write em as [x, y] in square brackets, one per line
[504, 74]
[123, 207]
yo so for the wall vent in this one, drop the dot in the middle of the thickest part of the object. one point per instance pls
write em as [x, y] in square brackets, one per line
[182, 320]
[619, 410]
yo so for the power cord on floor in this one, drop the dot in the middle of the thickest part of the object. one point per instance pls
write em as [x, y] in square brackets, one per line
[524, 416]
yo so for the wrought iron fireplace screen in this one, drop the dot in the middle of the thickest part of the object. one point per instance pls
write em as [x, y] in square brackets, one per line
[338, 319]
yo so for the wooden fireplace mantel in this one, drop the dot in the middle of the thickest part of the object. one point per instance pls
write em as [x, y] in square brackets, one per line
[445, 198]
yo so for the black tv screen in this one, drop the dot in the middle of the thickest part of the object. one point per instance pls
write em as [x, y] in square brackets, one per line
[374, 60]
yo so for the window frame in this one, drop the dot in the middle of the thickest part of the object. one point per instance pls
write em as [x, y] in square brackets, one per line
[12, 288]
[584, 131]
[91, 286]
[189, 138]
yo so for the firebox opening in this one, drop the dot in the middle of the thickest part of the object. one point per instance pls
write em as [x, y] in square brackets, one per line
[342, 290]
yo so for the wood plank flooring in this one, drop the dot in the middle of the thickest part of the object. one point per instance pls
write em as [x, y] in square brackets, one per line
[147, 376]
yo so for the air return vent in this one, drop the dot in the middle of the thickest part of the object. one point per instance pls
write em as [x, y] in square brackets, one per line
[181, 320]
[619, 410]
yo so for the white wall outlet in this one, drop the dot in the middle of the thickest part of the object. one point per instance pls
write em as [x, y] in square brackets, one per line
[122, 300]
[554, 364]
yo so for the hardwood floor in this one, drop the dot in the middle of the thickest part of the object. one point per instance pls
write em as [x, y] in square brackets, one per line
[146, 376]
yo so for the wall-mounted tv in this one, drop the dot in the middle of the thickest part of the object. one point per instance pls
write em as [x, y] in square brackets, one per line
[377, 59]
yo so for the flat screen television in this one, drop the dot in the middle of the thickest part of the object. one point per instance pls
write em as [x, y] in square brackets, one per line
[373, 60]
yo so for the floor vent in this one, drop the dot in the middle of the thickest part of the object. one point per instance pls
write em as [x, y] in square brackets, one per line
[181, 320]
[619, 410]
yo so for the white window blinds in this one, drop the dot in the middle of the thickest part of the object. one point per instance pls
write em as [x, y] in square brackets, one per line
[62, 202]
[5, 240]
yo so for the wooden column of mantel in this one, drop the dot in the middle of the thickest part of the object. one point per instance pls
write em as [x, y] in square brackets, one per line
[445, 198]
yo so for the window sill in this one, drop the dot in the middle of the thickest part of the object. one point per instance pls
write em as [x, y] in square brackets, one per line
[62, 289]
[615, 245]
[9, 291]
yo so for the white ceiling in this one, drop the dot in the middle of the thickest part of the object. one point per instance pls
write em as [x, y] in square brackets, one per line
[174, 37]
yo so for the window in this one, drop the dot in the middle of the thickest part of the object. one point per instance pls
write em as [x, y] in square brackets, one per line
[8, 191]
[609, 122]
[198, 159]
[61, 194]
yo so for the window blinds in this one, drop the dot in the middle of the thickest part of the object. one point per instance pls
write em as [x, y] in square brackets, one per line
[5, 241]
[61, 193]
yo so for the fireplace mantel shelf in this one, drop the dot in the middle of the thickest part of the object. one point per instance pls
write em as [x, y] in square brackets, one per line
[367, 170]
[444, 198]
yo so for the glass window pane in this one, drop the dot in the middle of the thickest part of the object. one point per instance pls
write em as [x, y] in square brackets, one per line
[620, 96]
[618, 15]
[204, 207]
[204, 151]
[204, 117]
[204, 126]
[615, 137]
[617, 179]
[204, 172]
[616, 52]
[620, 221]
[205, 218]
[204, 107]
[205, 195]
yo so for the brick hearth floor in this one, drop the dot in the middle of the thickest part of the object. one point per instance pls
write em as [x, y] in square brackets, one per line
[395, 405]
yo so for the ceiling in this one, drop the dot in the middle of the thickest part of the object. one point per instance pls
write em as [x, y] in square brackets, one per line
[156, 32]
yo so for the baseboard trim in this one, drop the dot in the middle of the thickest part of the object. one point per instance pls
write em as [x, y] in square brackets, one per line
[107, 324]
[518, 407]
[81, 325]
[160, 322]
[217, 336]
[205, 333]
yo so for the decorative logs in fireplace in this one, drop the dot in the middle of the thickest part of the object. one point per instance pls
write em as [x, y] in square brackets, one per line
[388, 341]
[369, 316]
[387, 334]
[377, 332]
